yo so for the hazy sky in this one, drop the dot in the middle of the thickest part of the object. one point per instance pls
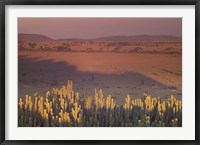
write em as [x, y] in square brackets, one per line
[97, 27]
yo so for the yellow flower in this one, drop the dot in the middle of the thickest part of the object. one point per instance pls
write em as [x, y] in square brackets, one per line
[77, 96]
[108, 102]
[149, 103]
[76, 110]
[180, 105]
[101, 99]
[127, 104]
[112, 104]
[60, 121]
[35, 106]
[66, 117]
[20, 103]
[30, 104]
[88, 102]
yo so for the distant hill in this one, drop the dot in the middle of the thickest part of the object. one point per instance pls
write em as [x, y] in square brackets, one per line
[73, 39]
[137, 38]
[33, 37]
[141, 38]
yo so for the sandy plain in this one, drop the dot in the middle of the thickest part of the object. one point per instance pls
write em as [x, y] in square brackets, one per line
[117, 74]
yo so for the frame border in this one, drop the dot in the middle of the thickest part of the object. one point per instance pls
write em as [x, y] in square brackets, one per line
[3, 4]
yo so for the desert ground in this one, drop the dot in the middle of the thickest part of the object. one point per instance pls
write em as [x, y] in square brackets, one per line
[117, 74]
[99, 72]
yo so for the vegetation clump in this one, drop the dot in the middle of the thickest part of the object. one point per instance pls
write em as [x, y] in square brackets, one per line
[64, 108]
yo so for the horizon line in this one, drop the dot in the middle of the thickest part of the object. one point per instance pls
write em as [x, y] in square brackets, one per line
[99, 36]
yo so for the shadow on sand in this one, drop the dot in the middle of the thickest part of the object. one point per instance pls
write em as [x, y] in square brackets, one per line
[36, 75]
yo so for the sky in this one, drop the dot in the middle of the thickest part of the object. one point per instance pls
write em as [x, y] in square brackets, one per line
[86, 28]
